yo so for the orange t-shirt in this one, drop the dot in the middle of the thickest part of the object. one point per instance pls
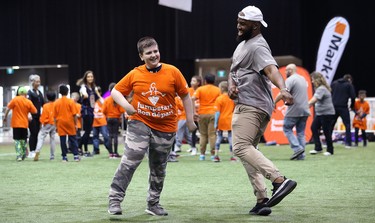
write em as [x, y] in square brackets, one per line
[207, 95]
[111, 109]
[99, 117]
[225, 106]
[79, 118]
[47, 114]
[64, 112]
[361, 108]
[21, 106]
[154, 95]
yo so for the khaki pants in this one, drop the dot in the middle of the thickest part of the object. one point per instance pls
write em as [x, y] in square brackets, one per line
[248, 126]
[207, 132]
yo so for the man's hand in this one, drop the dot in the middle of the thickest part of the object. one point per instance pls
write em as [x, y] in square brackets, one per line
[233, 92]
[287, 97]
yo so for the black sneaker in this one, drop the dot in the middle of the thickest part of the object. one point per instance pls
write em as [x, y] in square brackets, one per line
[114, 209]
[280, 190]
[297, 154]
[261, 209]
[156, 209]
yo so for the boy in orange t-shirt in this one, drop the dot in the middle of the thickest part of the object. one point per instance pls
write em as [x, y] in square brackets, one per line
[65, 115]
[223, 119]
[152, 123]
[113, 113]
[99, 126]
[48, 127]
[207, 95]
[21, 107]
[361, 109]
[76, 97]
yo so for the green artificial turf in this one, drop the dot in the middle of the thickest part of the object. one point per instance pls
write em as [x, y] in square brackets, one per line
[339, 188]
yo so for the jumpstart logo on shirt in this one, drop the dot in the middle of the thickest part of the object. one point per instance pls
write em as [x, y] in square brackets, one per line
[153, 96]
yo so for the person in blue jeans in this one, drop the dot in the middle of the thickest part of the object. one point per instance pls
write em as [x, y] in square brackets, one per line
[296, 115]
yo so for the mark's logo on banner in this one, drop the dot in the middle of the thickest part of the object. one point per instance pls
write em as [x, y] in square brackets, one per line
[332, 45]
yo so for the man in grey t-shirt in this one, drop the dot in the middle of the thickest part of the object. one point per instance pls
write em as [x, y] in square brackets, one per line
[296, 115]
[252, 71]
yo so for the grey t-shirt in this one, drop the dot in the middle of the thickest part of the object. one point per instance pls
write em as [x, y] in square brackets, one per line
[249, 59]
[298, 88]
[324, 105]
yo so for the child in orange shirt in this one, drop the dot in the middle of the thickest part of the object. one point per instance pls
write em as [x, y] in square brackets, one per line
[100, 126]
[195, 83]
[207, 95]
[76, 97]
[21, 107]
[65, 114]
[113, 112]
[361, 109]
[48, 127]
[152, 123]
[182, 129]
[223, 119]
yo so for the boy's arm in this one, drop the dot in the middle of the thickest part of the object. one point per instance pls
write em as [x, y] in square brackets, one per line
[189, 111]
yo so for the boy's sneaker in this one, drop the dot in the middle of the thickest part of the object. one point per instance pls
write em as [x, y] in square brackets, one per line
[202, 157]
[114, 209]
[36, 157]
[233, 158]
[172, 159]
[297, 154]
[281, 190]
[51, 157]
[261, 208]
[77, 159]
[216, 159]
[193, 151]
[87, 154]
[156, 209]
[65, 159]
[19, 158]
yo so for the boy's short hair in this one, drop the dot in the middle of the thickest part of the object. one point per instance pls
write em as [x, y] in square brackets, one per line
[209, 78]
[75, 96]
[63, 89]
[51, 96]
[362, 92]
[223, 86]
[145, 42]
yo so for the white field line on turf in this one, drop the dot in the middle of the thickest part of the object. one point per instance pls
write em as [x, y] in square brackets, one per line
[7, 154]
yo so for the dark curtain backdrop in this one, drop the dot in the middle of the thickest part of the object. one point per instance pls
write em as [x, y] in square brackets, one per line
[101, 35]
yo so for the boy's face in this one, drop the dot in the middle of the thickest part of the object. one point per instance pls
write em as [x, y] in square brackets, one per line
[362, 96]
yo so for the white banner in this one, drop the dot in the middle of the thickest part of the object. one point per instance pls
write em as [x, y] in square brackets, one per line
[332, 45]
[177, 4]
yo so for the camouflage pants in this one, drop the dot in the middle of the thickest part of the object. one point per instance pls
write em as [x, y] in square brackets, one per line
[141, 139]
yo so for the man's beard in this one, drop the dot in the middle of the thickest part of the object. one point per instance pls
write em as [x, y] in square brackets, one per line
[245, 36]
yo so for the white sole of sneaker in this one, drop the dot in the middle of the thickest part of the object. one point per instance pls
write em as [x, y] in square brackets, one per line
[287, 186]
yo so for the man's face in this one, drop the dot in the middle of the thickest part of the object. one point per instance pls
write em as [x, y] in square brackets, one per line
[245, 29]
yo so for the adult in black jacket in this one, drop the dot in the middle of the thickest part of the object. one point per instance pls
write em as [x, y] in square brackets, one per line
[342, 91]
[37, 98]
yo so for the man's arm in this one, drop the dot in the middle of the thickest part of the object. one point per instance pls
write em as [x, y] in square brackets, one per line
[276, 78]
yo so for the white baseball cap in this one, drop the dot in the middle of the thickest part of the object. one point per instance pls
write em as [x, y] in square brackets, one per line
[252, 13]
